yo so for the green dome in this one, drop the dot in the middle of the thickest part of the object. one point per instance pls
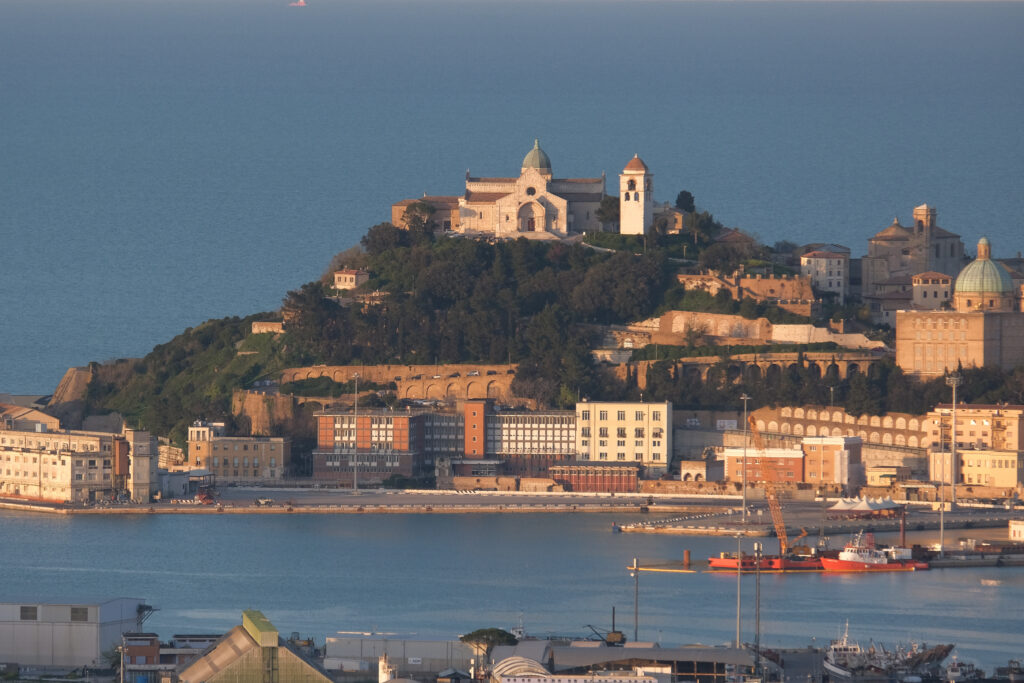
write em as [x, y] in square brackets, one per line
[536, 158]
[984, 274]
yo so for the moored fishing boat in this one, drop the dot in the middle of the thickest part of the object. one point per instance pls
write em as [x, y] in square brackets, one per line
[846, 661]
[861, 555]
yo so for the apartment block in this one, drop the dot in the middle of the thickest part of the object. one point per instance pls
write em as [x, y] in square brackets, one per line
[67, 466]
[637, 433]
[237, 458]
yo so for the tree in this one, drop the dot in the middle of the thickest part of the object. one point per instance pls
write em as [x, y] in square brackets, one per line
[486, 638]
[417, 218]
[684, 202]
[608, 211]
[353, 257]
[383, 237]
[725, 258]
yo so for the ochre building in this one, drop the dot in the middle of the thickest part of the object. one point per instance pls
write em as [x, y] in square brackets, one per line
[984, 328]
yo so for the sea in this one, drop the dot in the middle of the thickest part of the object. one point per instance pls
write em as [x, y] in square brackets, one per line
[167, 162]
[438, 576]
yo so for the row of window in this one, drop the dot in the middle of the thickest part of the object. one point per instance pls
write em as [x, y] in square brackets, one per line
[621, 415]
[245, 462]
[50, 445]
[31, 613]
[603, 455]
[245, 446]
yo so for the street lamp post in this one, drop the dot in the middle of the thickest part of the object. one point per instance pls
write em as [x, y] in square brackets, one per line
[758, 548]
[954, 381]
[739, 562]
[355, 432]
[634, 571]
[745, 398]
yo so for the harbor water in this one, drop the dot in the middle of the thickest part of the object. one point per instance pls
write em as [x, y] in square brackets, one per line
[442, 575]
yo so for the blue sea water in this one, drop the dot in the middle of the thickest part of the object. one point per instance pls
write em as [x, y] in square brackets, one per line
[441, 575]
[162, 163]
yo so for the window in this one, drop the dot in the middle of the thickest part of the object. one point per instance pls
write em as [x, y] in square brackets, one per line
[585, 415]
[602, 431]
[79, 614]
[638, 433]
[603, 415]
[656, 415]
[29, 613]
[620, 456]
[639, 415]
[622, 415]
[585, 431]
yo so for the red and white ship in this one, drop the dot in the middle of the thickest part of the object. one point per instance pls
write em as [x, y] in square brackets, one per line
[861, 555]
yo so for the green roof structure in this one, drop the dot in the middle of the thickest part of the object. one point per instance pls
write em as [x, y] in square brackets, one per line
[537, 158]
[983, 274]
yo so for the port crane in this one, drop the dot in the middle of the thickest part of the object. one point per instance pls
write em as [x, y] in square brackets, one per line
[771, 494]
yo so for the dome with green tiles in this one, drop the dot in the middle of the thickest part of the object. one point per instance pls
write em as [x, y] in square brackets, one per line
[983, 274]
[537, 158]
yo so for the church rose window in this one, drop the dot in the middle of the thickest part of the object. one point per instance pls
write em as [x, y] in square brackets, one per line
[531, 191]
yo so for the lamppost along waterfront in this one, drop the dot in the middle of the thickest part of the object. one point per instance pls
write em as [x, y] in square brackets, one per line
[745, 398]
[954, 381]
[634, 572]
[758, 548]
[355, 432]
[739, 562]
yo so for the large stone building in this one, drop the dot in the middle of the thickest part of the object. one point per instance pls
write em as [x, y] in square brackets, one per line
[908, 250]
[237, 458]
[989, 442]
[73, 466]
[984, 328]
[536, 203]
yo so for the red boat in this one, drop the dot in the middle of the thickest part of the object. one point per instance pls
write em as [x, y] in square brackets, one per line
[861, 555]
[769, 563]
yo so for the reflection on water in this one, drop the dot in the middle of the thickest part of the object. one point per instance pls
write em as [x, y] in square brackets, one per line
[438, 575]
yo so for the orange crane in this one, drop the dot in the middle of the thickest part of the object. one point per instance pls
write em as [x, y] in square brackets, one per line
[770, 492]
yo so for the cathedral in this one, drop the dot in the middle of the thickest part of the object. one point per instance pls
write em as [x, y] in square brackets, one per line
[984, 327]
[537, 204]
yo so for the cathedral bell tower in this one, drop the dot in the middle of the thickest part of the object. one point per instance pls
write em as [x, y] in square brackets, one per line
[636, 198]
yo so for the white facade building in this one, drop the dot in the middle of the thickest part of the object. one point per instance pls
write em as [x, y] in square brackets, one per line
[71, 635]
[76, 466]
[639, 433]
[829, 272]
